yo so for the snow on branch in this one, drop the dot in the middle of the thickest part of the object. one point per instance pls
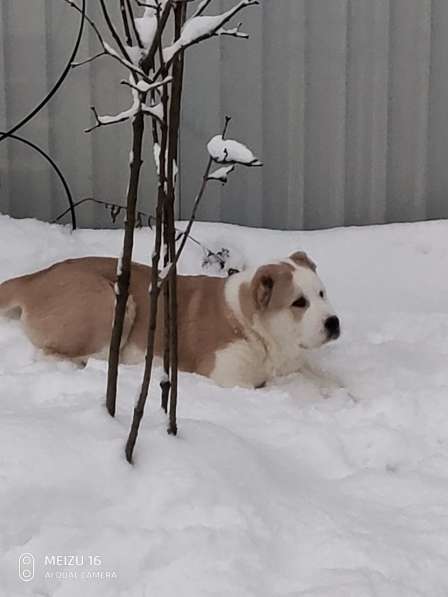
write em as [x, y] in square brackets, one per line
[108, 50]
[221, 174]
[228, 151]
[235, 32]
[146, 26]
[144, 87]
[108, 119]
[155, 111]
[156, 153]
[198, 28]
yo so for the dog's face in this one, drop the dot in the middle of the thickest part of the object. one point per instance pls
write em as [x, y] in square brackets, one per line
[292, 305]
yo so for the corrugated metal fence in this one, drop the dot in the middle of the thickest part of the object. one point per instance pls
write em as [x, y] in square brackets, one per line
[346, 101]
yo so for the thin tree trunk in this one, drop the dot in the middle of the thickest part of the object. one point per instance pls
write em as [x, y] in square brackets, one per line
[155, 290]
[131, 202]
[165, 384]
[125, 274]
[174, 122]
[154, 295]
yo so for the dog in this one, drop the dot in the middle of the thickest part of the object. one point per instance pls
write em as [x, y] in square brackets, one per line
[239, 331]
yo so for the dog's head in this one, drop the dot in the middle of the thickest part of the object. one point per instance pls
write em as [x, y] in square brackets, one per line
[288, 300]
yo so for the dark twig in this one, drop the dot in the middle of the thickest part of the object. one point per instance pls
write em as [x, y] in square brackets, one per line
[100, 123]
[56, 168]
[135, 70]
[116, 209]
[114, 32]
[60, 80]
[196, 203]
[124, 275]
[134, 26]
[154, 295]
[87, 60]
[180, 12]
[148, 62]
[124, 19]
[201, 8]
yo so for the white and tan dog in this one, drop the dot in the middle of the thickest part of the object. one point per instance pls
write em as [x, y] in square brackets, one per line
[239, 331]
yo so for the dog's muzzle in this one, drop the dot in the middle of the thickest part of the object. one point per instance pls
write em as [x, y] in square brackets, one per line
[332, 327]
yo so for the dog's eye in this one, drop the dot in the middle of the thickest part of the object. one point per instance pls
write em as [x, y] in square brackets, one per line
[301, 302]
[321, 294]
[231, 271]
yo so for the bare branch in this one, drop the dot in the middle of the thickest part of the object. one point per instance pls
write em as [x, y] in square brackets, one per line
[114, 32]
[134, 27]
[87, 60]
[148, 5]
[124, 18]
[128, 64]
[196, 203]
[201, 8]
[148, 62]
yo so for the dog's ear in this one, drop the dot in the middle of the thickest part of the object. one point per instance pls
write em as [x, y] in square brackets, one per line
[270, 285]
[302, 259]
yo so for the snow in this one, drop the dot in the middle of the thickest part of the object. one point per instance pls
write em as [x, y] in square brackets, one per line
[135, 54]
[228, 151]
[125, 115]
[144, 87]
[221, 174]
[157, 110]
[292, 490]
[201, 27]
[147, 27]
[156, 154]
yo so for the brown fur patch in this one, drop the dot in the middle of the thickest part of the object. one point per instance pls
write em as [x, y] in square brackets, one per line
[302, 259]
[270, 288]
[67, 310]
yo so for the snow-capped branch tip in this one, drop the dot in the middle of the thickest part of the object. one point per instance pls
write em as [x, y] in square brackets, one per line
[157, 4]
[108, 120]
[87, 60]
[138, 106]
[199, 28]
[235, 32]
[221, 174]
[229, 151]
[144, 87]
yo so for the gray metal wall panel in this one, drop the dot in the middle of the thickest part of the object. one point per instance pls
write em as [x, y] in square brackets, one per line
[410, 52]
[367, 111]
[437, 181]
[344, 100]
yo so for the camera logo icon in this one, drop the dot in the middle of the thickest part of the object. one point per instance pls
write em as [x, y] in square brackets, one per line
[26, 567]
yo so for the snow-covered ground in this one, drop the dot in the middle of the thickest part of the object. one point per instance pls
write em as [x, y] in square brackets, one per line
[275, 492]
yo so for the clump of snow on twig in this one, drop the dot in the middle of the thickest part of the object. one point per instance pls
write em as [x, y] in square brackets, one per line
[156, 153]
[147, 26]
[228, 151]
[135, 54]
[222, 173]
[199, 27]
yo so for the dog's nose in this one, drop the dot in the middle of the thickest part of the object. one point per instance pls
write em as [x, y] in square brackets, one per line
[333, 327]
